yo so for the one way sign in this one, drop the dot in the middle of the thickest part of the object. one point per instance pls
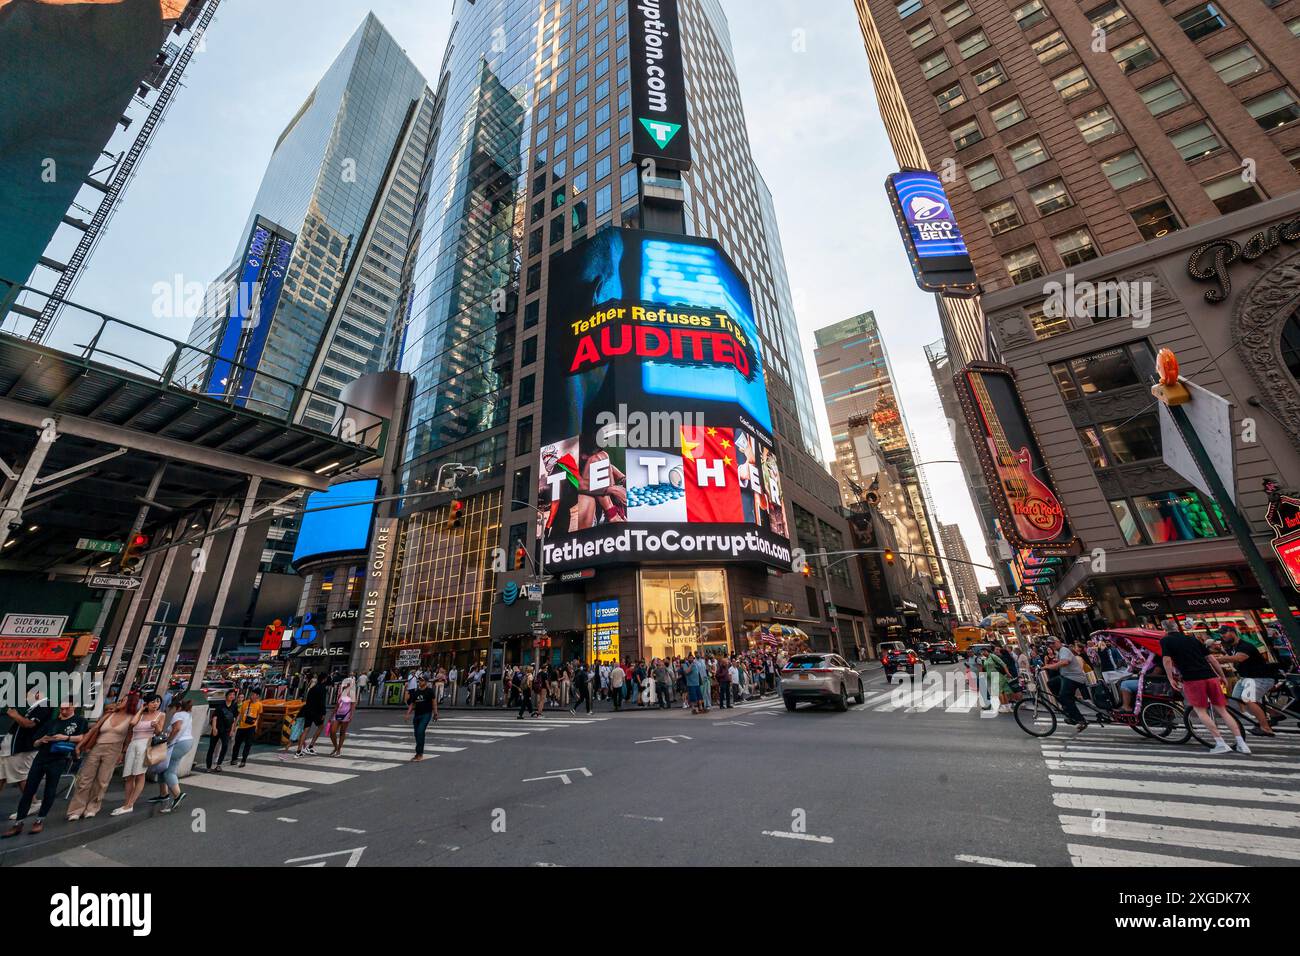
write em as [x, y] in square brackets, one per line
[115, 582]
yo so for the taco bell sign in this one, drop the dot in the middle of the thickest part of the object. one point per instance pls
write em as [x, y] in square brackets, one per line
[935, 245]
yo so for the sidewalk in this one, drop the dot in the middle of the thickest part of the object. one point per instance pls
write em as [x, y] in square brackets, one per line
[597, 707]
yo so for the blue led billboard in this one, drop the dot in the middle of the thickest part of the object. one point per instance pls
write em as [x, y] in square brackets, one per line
[928, 225]
[338, 530]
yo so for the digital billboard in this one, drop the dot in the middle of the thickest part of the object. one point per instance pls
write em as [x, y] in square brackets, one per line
[660, 128]
[1029, 510]
[935, 246]
[656, 430]
[338, 530]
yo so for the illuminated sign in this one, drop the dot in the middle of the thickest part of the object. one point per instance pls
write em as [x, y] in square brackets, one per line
[1284, 518]
[602, 630]
[940, 260]
[660, 128]
[1029, 512]
[330, 526]
[1210, 262]
[34, 650]
[656, 431]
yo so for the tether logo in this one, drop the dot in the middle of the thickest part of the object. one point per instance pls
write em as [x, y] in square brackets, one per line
[661, 132]
[510, 593]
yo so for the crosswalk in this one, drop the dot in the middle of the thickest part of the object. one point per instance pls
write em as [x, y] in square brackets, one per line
[1125, 801]
[274, 775]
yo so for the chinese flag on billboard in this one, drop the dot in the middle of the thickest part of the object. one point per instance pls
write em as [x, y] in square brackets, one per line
[712, 480]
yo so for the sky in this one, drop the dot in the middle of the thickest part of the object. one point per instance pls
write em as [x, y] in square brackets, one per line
[814, 130]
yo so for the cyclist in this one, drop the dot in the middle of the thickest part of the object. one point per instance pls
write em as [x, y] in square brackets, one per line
[1256, 677]
[1067, 681]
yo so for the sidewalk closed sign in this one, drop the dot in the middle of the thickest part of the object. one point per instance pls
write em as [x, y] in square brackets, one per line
[33, 625]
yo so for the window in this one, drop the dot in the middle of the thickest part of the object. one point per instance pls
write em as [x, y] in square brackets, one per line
[1107, 15]
[984, 173]
[528, 354]
[1291, 345]
[1028, 154]
[1163, 96]
[1294, 25]
[1097, 124]
[604, 200]
[1003, 217]
[1092, 445]
[1128, 525]
[1027, 14]
[1174, 516]
[1050, 197]
[1273, 109]
[932, 66]
[1236, 63]
[557, 230]
[519, 488]
[1050, 46]
[1134, 439]
[989, 77]
[524, 436]
[949, 98]
[1023, 265]
[1072, 83]
[921, 35]
[957, 13]
[1193, 142]
[527, 390]
[967, 134]
[1201, 21]
[972, 43]
[1125, 170]
[1155, 219]
[1293, 158]
[1007, 114]
[1231, 193]
[1045, 326]
[1134, 55]
[1102, 372]
[1075, 247]
[907, 8]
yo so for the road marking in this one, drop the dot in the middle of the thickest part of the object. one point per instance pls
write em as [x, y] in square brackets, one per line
[988, 860]
[462, 732]
[348, 830]
[1081, 855]
[633, 816]
[1191, 760]
[562, 775]
[286, 819]
[292, 773]
[1177, 810]
[382, 743]
[334, 763]
[242, 813]
[730, 723]
[1255, 844]
[322, 859]
[241, 785]
[1208, 791]
[674, 739]
[1162, 768]
[808, 837]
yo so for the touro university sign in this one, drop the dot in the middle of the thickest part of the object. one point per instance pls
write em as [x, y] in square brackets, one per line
[660, 129]
[656, 329]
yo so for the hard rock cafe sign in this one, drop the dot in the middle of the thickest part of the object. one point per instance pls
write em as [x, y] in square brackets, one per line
[1283, 516]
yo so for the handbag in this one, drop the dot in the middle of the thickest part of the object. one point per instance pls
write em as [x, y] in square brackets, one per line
[157, 752]
[296, 730]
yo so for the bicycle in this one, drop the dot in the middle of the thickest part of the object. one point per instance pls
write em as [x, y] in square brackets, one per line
[1165, 721]
[1280, 704]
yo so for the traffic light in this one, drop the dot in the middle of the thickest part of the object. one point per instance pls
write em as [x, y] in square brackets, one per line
[521, 557]
[131, 559]
[889, 557]
[807, 570]
[457, 509]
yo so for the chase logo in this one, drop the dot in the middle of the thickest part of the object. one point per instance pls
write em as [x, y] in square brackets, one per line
[510, 593]
[662, 133]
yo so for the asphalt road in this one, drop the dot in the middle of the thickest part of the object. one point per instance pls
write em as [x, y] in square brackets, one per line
[884, 784]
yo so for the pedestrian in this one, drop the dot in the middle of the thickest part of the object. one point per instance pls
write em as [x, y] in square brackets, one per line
[56, 746]
[101, 751]
[1194, 671]
[662, 681]
[250, 711]
[344, 709]
[220, 723]
[1255, 678]
[581, 689]
[440, 683]
[180, 741]
[695, 669]
[995, 672]
[617, 680]
[540, 689]
[421, 706]
[146, 723]
[453, 681]
[524, 688]
[312, 714]
[723, 676]
[1069, 679]
[20, 749]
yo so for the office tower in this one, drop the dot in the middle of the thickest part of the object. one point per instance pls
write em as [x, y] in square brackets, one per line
[314, 290]
[534, 156]
[965, 587]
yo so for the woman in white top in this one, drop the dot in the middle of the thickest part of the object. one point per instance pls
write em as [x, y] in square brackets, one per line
[180, 740]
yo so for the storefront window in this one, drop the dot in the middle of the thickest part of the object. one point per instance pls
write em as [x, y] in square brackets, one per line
[1128, 525]
[1201, 581]
[1133, 439]
[1175, 516]
[1104, 371]
[684, 611]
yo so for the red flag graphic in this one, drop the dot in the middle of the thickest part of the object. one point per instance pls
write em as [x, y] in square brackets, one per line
[712, 481]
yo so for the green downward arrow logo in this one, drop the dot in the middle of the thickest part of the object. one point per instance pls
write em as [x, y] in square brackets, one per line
[662, 133]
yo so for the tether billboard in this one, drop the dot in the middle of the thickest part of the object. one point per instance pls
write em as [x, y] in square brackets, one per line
[660, 128]
[656, 430]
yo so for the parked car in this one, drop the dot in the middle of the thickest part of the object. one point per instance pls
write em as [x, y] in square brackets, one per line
[943, 652]
[821, 678]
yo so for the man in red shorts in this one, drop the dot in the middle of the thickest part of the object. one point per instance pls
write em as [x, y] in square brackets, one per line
[1193, 671]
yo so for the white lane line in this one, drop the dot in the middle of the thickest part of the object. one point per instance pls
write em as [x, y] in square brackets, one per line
[384, 743]
[988, 860]
[633, 816]
[249, 788]
[388, 754]
[242, 813]
[286, 819]
[1081, 855]
[1194, 759]
[541, 721]
[1162, 788]
[785, 834]
[1178, 810]
[295, 773]
[461, 732]
[333, 763]
[1254, 844]
[1162, 768]
[348, 830]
